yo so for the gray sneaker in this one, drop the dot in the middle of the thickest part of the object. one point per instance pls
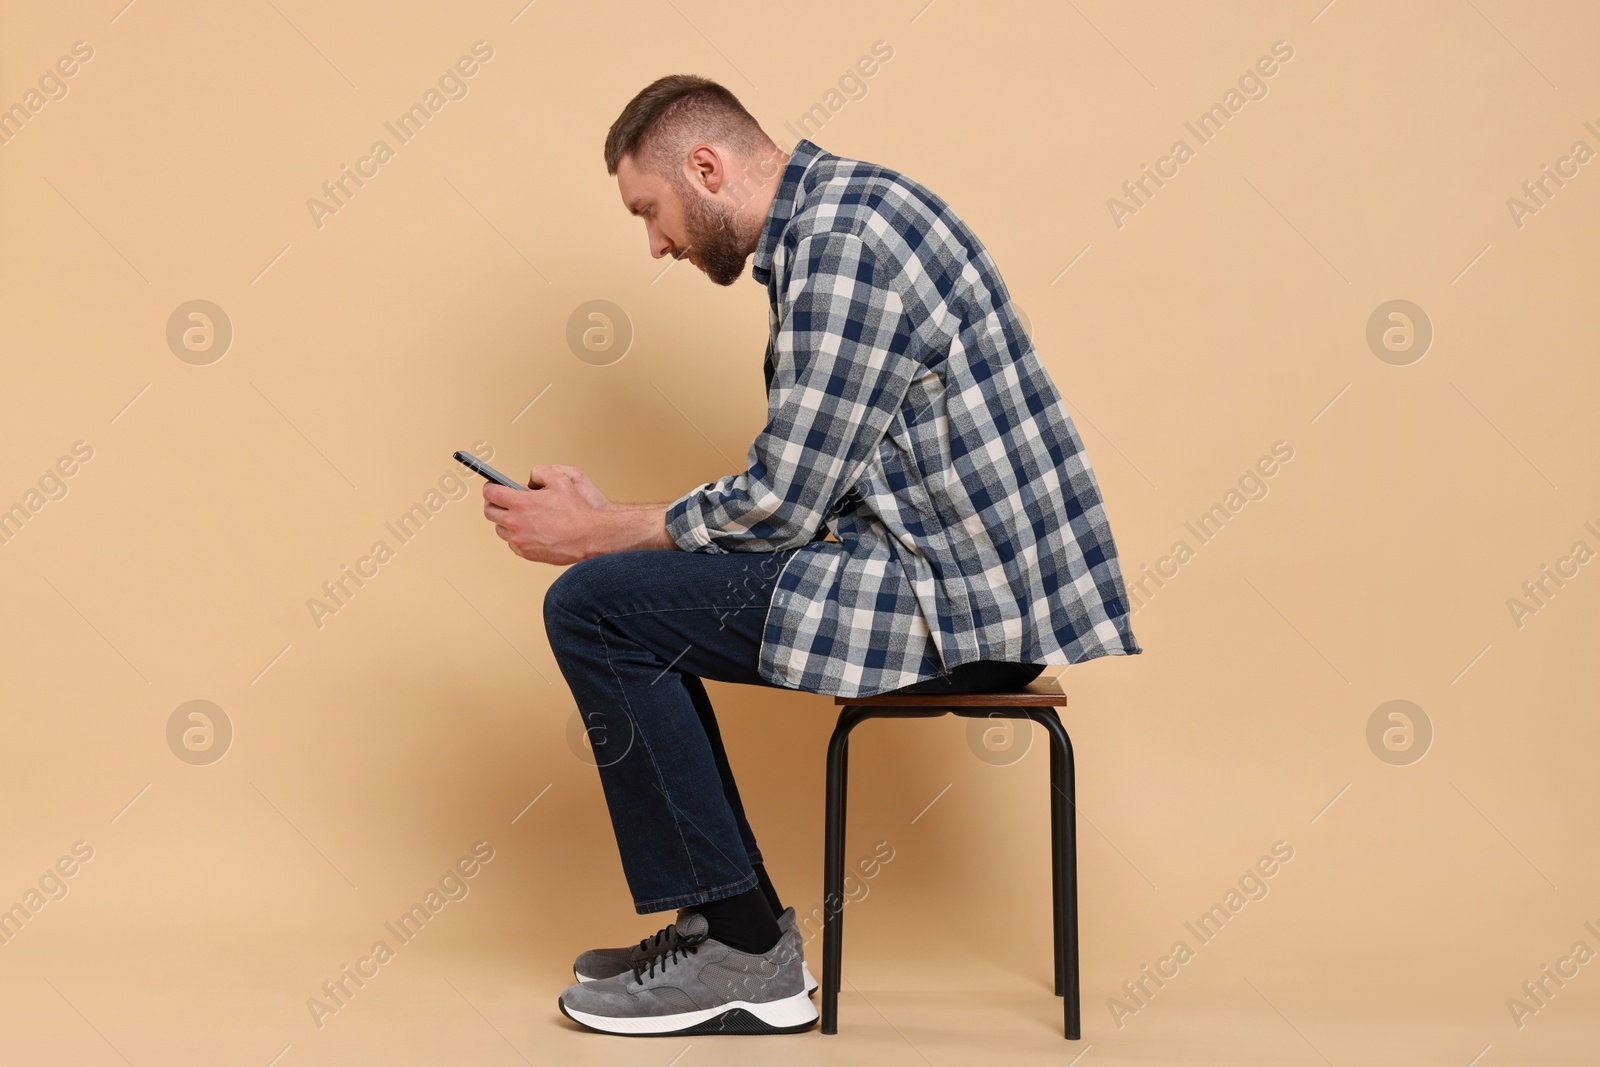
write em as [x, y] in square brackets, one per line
[699, 986]
[599, 963]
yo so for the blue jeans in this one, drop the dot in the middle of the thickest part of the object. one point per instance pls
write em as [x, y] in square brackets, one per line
[634, 634]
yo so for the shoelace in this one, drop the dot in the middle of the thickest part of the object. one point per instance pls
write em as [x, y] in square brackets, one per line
[657, 943]
[688, 944]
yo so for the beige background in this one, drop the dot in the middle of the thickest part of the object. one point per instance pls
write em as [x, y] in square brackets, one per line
[1227, 314]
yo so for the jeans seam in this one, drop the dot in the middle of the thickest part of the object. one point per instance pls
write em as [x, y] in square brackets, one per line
[655, 767]
[712, 607]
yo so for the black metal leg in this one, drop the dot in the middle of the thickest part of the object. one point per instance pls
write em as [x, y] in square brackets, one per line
[833, 869]
[844, 833]
[1064, 815]
[1056, 872]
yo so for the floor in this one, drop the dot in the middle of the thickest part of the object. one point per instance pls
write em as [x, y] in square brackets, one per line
[442, 1005]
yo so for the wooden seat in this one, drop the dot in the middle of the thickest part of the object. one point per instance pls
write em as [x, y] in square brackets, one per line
[1036, 702]
[1039, 693]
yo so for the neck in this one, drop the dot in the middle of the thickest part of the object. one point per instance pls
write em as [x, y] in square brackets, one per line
[763, 176]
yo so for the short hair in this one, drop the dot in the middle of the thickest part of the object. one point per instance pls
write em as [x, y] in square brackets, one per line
[670, 114]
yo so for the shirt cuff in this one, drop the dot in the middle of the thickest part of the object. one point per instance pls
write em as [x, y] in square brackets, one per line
[686, 523]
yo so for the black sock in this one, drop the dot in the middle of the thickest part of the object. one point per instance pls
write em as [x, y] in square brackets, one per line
[765, 882]
[744, 922]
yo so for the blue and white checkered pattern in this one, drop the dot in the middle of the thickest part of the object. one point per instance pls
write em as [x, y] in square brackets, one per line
[909, 415]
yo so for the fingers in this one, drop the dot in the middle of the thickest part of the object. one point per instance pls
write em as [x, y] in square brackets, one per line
[571, 472]
[505, 535]
[542, 475]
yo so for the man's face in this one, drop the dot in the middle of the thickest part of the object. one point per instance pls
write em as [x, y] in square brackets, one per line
[685, 220]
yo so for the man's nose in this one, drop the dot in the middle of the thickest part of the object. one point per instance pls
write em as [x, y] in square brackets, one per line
[659, 245]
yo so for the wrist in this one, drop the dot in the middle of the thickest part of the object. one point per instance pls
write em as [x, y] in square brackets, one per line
[604, 525]
[628, 527]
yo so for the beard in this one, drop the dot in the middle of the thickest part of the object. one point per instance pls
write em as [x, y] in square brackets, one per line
[720, 242]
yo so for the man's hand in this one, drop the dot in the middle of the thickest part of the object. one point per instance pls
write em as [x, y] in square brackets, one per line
[558, 520]
[587, 489]
[565, 518]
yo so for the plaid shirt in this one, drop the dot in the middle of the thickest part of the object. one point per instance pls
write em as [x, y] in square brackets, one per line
[909, 415]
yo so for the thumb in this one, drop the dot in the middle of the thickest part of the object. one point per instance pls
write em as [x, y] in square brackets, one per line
[571, 472]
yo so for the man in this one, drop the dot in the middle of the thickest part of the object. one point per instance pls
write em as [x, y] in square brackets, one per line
[918, 513]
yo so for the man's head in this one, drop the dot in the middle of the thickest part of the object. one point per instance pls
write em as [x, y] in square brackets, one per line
[694, 164]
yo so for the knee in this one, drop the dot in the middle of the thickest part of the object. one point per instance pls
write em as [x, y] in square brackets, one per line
[564, 599]
[583, 592]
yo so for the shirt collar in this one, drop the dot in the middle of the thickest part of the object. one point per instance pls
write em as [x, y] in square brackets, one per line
[784, 204]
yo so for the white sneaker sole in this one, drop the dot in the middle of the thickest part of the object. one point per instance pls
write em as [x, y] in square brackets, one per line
[811, 983]
[789, 1015]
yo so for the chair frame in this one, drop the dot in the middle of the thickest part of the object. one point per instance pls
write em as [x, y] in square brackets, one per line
[1037, 702]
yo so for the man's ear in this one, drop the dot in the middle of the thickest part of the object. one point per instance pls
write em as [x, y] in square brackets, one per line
[707, 168]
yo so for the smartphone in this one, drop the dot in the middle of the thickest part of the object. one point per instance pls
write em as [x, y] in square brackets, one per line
[478, 466]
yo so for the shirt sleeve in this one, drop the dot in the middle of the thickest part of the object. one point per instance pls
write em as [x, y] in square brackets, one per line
[841, 371]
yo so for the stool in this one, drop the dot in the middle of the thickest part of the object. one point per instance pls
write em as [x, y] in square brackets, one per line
[1036, 702]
